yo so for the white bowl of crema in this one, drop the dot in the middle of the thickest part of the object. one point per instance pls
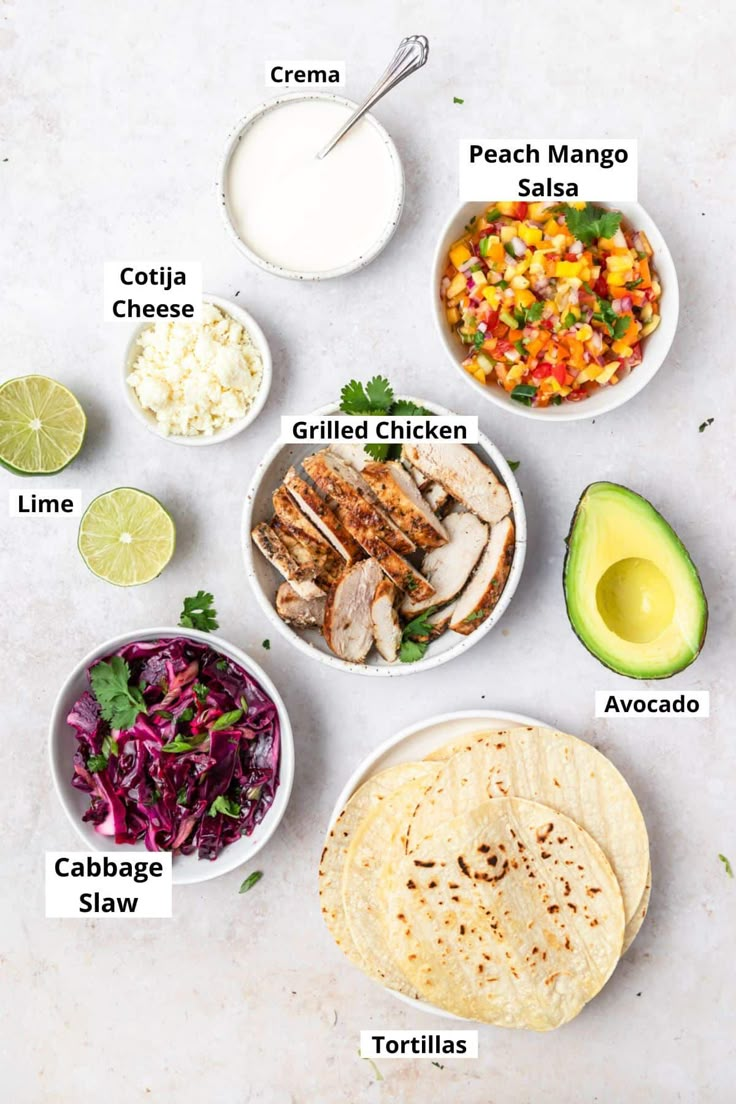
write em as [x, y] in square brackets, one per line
[300, 217]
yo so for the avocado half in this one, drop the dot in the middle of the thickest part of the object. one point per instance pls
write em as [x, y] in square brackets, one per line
[633, 595]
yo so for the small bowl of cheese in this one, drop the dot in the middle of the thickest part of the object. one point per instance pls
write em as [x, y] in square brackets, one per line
[198, 383]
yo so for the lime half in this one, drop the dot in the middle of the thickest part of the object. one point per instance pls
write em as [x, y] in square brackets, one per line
[126, 537]
[41, 425]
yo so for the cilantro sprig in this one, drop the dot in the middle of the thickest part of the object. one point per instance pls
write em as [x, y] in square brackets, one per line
[199, 613]
[413, 646]
[591, 222]
[120, 703]
[376, 397]
[616, 324]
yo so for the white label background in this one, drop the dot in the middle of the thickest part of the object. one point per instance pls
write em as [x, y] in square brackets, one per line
[306, 65]
[153, 294]
[14, 497]
[63, 893]
[369, 1048]
[486, 182]
[351, 421]
[700, 696]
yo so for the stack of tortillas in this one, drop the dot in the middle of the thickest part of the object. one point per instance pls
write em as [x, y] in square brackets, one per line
[501, 878]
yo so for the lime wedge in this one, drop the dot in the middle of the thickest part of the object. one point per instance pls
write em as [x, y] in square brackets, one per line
[41, 425]
[126, 537]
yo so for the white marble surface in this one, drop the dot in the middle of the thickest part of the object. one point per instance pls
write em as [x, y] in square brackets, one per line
[112, 120]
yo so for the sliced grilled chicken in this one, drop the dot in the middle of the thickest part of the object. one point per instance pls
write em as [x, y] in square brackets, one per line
[352, 454]
[348, 626]
[385, 620]
[435, 494]
[293, 521]
[302, 613]
[476, 602]
[400, 571]
[322, 517]
[464, 476]
[448, 568]
[273, 548]
[348, 492]
[399, 495]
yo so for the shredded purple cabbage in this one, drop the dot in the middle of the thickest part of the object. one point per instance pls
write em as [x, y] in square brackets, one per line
[166, 797]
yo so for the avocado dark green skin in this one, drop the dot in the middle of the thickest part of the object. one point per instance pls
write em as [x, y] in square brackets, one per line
[627, 674]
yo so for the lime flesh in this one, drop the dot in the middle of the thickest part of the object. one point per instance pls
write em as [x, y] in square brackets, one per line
[126, 537]
[41, 425]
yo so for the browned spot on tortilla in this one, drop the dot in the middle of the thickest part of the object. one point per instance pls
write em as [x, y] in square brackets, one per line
[462, 929]
[553, 908]
[432, 885]
[592, 890]
[453, 885]
[548, 980]
[499, 747]
[455, 898]
[546, 855]
[562, 839]
[571, 906]
[492, 860]
[480, 967]
[543, 832]
[411, 884]
[463, 866]
[556, 782]
[322, 856]
[400, 916]
[418, 862]
[484, 848]
[568, 944]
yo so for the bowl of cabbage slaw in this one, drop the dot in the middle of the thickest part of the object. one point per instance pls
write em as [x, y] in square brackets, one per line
[171, 739]
[553, 311]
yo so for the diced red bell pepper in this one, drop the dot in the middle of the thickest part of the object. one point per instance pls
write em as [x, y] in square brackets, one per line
[600, 287]
[521, 210]
[558, 371]
[504, 346]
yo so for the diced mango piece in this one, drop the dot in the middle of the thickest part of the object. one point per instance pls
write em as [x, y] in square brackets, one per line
[536, 211]
[584, 333]
[453, 316]
[569, 268]
[617, 279]
[551, 227]
[532, 235]
[524, 298]
[459, 254]
[507, 208]
[507, 233]
[620, 263]
[608, 371]
[492, 296]
[457, 285]
[515, 373]
[519, 282]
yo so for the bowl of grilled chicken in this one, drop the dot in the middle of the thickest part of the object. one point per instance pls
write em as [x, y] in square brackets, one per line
[384, 567]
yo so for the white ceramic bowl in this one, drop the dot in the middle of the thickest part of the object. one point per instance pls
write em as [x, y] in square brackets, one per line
[654, 348]
[293, 274]
[148, 419]
[409, 745]
[265, 579]
[187, 869]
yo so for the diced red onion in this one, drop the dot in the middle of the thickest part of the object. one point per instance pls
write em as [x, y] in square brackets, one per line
[482, 327]
[576, 247]
[518, 247]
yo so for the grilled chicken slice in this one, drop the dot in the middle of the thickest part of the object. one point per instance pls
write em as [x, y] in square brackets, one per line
[385, 619]
[464, 476]
[353, 454]
[322, 517]
[435, 494]
[347, 626]
[448, 568]
[293, 522]
[400, 571]
[476, 602]
[399, 495]
[273, 548]
[302, 613]
[346, 489]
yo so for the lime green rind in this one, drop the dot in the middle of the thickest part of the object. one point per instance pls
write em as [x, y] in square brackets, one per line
[42, 472]
[136, 582]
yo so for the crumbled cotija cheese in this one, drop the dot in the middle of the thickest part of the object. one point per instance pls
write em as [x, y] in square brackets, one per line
[196, 378]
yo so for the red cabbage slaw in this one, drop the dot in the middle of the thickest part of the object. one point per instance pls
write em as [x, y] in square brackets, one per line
[214, 785]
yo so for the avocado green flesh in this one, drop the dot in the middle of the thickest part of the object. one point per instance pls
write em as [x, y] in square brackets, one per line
[633, 594]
